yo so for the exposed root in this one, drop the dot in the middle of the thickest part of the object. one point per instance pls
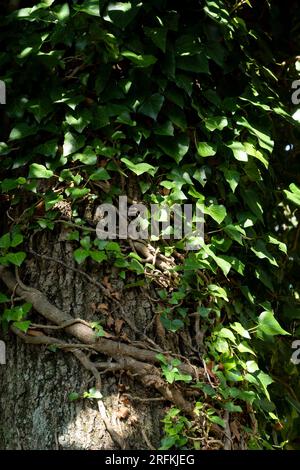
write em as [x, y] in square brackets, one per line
[139, 362]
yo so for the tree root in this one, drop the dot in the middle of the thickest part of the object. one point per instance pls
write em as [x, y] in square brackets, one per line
[140, 362]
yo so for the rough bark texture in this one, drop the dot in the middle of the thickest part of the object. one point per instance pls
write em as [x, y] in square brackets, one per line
[35, 412]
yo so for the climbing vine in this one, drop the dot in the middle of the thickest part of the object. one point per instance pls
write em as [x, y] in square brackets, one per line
[168, 103]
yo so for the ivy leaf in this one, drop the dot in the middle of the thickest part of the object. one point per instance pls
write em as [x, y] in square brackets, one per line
[98, 256]
[139, 168]
[72, 396]
[232, 177]
[152, 105]
[21, 131]
[216, 122]
[264, 139]
[3, 298]
[217, 212]
[240, 330]
[17, 239]
[263, 277]
[217, 420]
[193, 63]
[77, 193]
[139, 59]
[5, 241]
[22, 325]
[238, 151]
[252, 200]
[260, 250]
[158, 36]
[39, 171]
[175, 147]
[88, 156]
[217, 291]
[206, 149]
[294, 194]
[16, 258]
[100, 175]
[235, 232]
[268, 324]
[90, 7]
[72, 143]
[80, 255]
[9, 184]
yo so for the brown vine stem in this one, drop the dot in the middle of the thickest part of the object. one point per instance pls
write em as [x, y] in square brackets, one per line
[140, 362]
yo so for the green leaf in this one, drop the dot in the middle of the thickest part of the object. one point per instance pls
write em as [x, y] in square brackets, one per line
[100, 175]
[206, 149]
[268, 325]
[17, 239]
[260, 250]
[172, 325]
[139, 59]
[216, 122]
[217, 212]
[77, 193]
[3, 298]
[72, 143]
[238, 151]
[240, 330]
[226, 333]
[73, 396]
[293, 195]
[90, 7]
[253, 201]
[21, 131]
[5, 241]
[139, 168]
[10, 184]
[264, 139]
[39, 171]
[22, 325]
[217, 291]
[93, 393]
[88, 156]
[158, 36]
[217, 420]
[244, 348]
[98, 256]
[166, 128]
[222, 263]
[16, 258]
[193, 63]
[48, 149]
[235, 232]
[232, 408]
[175, 147]
[264, 278]
[232, 177]
[152, 105]
[80, 255]
[282, 246]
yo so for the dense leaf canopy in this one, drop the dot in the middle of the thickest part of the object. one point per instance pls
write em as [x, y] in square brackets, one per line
[194, 99]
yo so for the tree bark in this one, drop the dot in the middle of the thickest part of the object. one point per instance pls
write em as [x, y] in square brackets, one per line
[35, 411]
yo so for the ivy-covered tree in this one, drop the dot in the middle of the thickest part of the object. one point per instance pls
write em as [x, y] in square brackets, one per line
[167, 103]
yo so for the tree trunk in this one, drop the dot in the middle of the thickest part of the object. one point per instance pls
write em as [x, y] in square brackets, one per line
[35, 383]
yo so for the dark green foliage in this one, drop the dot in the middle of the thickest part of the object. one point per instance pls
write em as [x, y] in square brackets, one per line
[191, 98]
